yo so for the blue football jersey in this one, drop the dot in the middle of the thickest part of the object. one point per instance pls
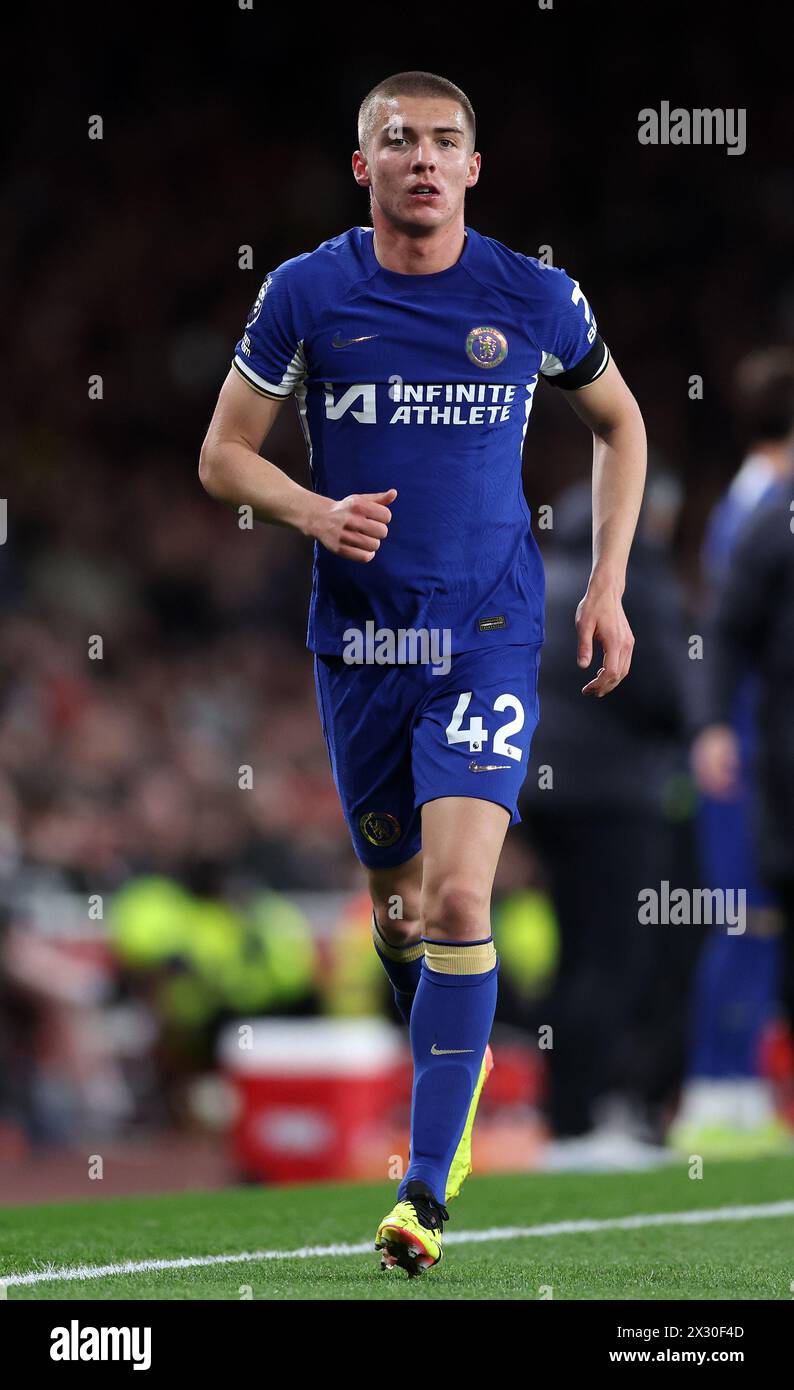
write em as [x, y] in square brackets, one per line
[423, 383]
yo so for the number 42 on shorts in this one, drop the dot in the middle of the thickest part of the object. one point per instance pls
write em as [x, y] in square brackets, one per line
[475, 733]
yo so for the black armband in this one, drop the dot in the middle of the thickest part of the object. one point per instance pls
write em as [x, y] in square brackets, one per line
[586, 371]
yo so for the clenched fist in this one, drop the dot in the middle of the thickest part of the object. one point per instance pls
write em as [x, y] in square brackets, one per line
[354, 527]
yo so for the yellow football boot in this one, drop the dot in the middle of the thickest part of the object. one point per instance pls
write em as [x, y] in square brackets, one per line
[461, 1163]
[410, 1236]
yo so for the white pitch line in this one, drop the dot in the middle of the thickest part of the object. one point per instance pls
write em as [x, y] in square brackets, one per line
[761, 1212]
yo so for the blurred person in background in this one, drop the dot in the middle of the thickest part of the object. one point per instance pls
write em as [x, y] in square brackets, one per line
[727, 1107]
[608, 809]
[60, 1077]
[754, 631]
[197, 960]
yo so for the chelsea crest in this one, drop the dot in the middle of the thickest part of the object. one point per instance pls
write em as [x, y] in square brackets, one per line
[486, 347]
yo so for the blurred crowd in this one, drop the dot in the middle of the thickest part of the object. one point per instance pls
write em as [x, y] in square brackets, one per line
[157, 715]
[151, 655]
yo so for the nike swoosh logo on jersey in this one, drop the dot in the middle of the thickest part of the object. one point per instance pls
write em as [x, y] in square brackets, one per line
[338, 342]
[489, 767]
[448, 1051]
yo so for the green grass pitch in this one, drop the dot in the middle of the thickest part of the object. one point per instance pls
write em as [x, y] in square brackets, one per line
[750, 1258]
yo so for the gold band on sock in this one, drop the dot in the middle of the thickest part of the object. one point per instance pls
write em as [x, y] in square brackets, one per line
[400, 953]
[450, 958]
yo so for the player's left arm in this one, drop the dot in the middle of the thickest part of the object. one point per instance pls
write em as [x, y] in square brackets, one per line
[610, 411]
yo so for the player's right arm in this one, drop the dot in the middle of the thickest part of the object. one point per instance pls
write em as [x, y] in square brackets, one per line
[232, 470]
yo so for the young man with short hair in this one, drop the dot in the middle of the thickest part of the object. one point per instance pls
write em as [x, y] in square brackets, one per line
[413, 349]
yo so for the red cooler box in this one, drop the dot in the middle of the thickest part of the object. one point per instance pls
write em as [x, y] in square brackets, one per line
[312, 1094]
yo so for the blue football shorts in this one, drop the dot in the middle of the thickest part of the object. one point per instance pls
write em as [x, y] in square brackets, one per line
[399, 735]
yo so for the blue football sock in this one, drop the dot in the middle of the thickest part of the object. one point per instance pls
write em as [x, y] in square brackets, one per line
[451, 1022]
[403, 965]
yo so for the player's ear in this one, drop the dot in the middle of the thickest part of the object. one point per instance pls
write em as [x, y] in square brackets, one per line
[360, 169]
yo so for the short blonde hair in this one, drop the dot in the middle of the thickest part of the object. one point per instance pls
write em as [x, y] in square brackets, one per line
[410, 84]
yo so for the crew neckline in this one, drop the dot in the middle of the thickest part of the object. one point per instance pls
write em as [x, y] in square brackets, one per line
[399, 277]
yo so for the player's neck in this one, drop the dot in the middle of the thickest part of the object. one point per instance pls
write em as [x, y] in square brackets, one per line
[424, 255]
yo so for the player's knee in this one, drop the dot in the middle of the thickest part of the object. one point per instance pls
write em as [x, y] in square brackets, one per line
[398, 931]
[456, 909]
[397, 905]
